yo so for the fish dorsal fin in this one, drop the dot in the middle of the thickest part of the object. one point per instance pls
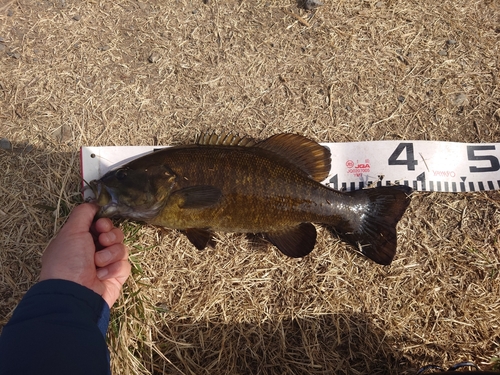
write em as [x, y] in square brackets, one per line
[225, 139]
[305, 154]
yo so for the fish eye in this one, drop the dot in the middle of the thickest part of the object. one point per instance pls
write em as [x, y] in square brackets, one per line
[121, 174]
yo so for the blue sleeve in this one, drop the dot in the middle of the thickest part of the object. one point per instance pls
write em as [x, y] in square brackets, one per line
[59, 327]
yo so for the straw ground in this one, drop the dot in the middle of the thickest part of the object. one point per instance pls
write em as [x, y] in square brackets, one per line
[158, 72]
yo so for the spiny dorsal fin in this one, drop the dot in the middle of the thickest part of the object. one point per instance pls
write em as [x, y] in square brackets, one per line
[307, 155]
[225, 139]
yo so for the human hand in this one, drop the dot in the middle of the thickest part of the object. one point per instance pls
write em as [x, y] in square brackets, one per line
[71, 255]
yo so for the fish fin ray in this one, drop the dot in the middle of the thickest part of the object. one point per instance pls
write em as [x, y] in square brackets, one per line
[224, 139]
[305, 154]
[200, 238]
[199, 196]
[295, 242]
[375, 235]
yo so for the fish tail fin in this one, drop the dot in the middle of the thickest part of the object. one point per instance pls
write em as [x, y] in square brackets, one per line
[373, 232]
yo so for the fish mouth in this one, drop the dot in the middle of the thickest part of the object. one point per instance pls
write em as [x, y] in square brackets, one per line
[111, 206]
[105, 198]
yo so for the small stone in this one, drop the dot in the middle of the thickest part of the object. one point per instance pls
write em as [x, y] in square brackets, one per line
[77, 17]
[104, 48]
[154, 57]
[207, 2]
[2, 39]
[443, 52]
[451, 42]
[57, 133]
[2, 47]
[312, 4]
[27, 148]
[5, 144]
[401, 99]
[15, 55]
[62, 133]
[10, 13]
[460, 99]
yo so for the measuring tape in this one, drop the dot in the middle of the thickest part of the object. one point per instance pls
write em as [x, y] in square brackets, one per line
[422, 165]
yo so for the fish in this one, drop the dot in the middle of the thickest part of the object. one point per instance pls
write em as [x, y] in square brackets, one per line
[231, 183]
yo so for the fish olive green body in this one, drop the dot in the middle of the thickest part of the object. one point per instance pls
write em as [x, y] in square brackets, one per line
[234, 184]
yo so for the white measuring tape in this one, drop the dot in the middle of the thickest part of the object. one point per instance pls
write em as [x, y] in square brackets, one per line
[422, 165]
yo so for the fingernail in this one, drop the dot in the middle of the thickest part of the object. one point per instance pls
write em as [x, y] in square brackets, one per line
[104, 256]
[102, 272]
[111, 236]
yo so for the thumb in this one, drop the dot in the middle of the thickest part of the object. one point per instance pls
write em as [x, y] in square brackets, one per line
[81, 217]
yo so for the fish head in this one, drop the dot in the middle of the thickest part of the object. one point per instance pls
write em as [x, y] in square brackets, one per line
[133, 193]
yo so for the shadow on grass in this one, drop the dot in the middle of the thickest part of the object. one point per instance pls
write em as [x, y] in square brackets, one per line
[326, 344]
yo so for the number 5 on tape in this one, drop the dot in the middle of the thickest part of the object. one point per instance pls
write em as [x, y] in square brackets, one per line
[423, 165]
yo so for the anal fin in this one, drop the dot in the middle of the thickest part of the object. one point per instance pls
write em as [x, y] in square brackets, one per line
[295, 242]
[200, 238]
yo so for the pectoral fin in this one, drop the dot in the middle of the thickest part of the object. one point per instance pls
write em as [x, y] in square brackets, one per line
[200, 196]
[295, 242]
[200, 238]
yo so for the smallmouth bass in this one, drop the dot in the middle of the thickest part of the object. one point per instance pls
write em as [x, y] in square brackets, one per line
[229, 183]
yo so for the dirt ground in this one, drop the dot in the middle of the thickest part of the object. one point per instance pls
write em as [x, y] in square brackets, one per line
[125, 72]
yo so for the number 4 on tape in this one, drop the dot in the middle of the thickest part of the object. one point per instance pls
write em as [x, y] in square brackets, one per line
[423, 165]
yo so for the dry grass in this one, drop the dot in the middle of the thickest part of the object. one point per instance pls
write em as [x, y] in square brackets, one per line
[74, 74]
